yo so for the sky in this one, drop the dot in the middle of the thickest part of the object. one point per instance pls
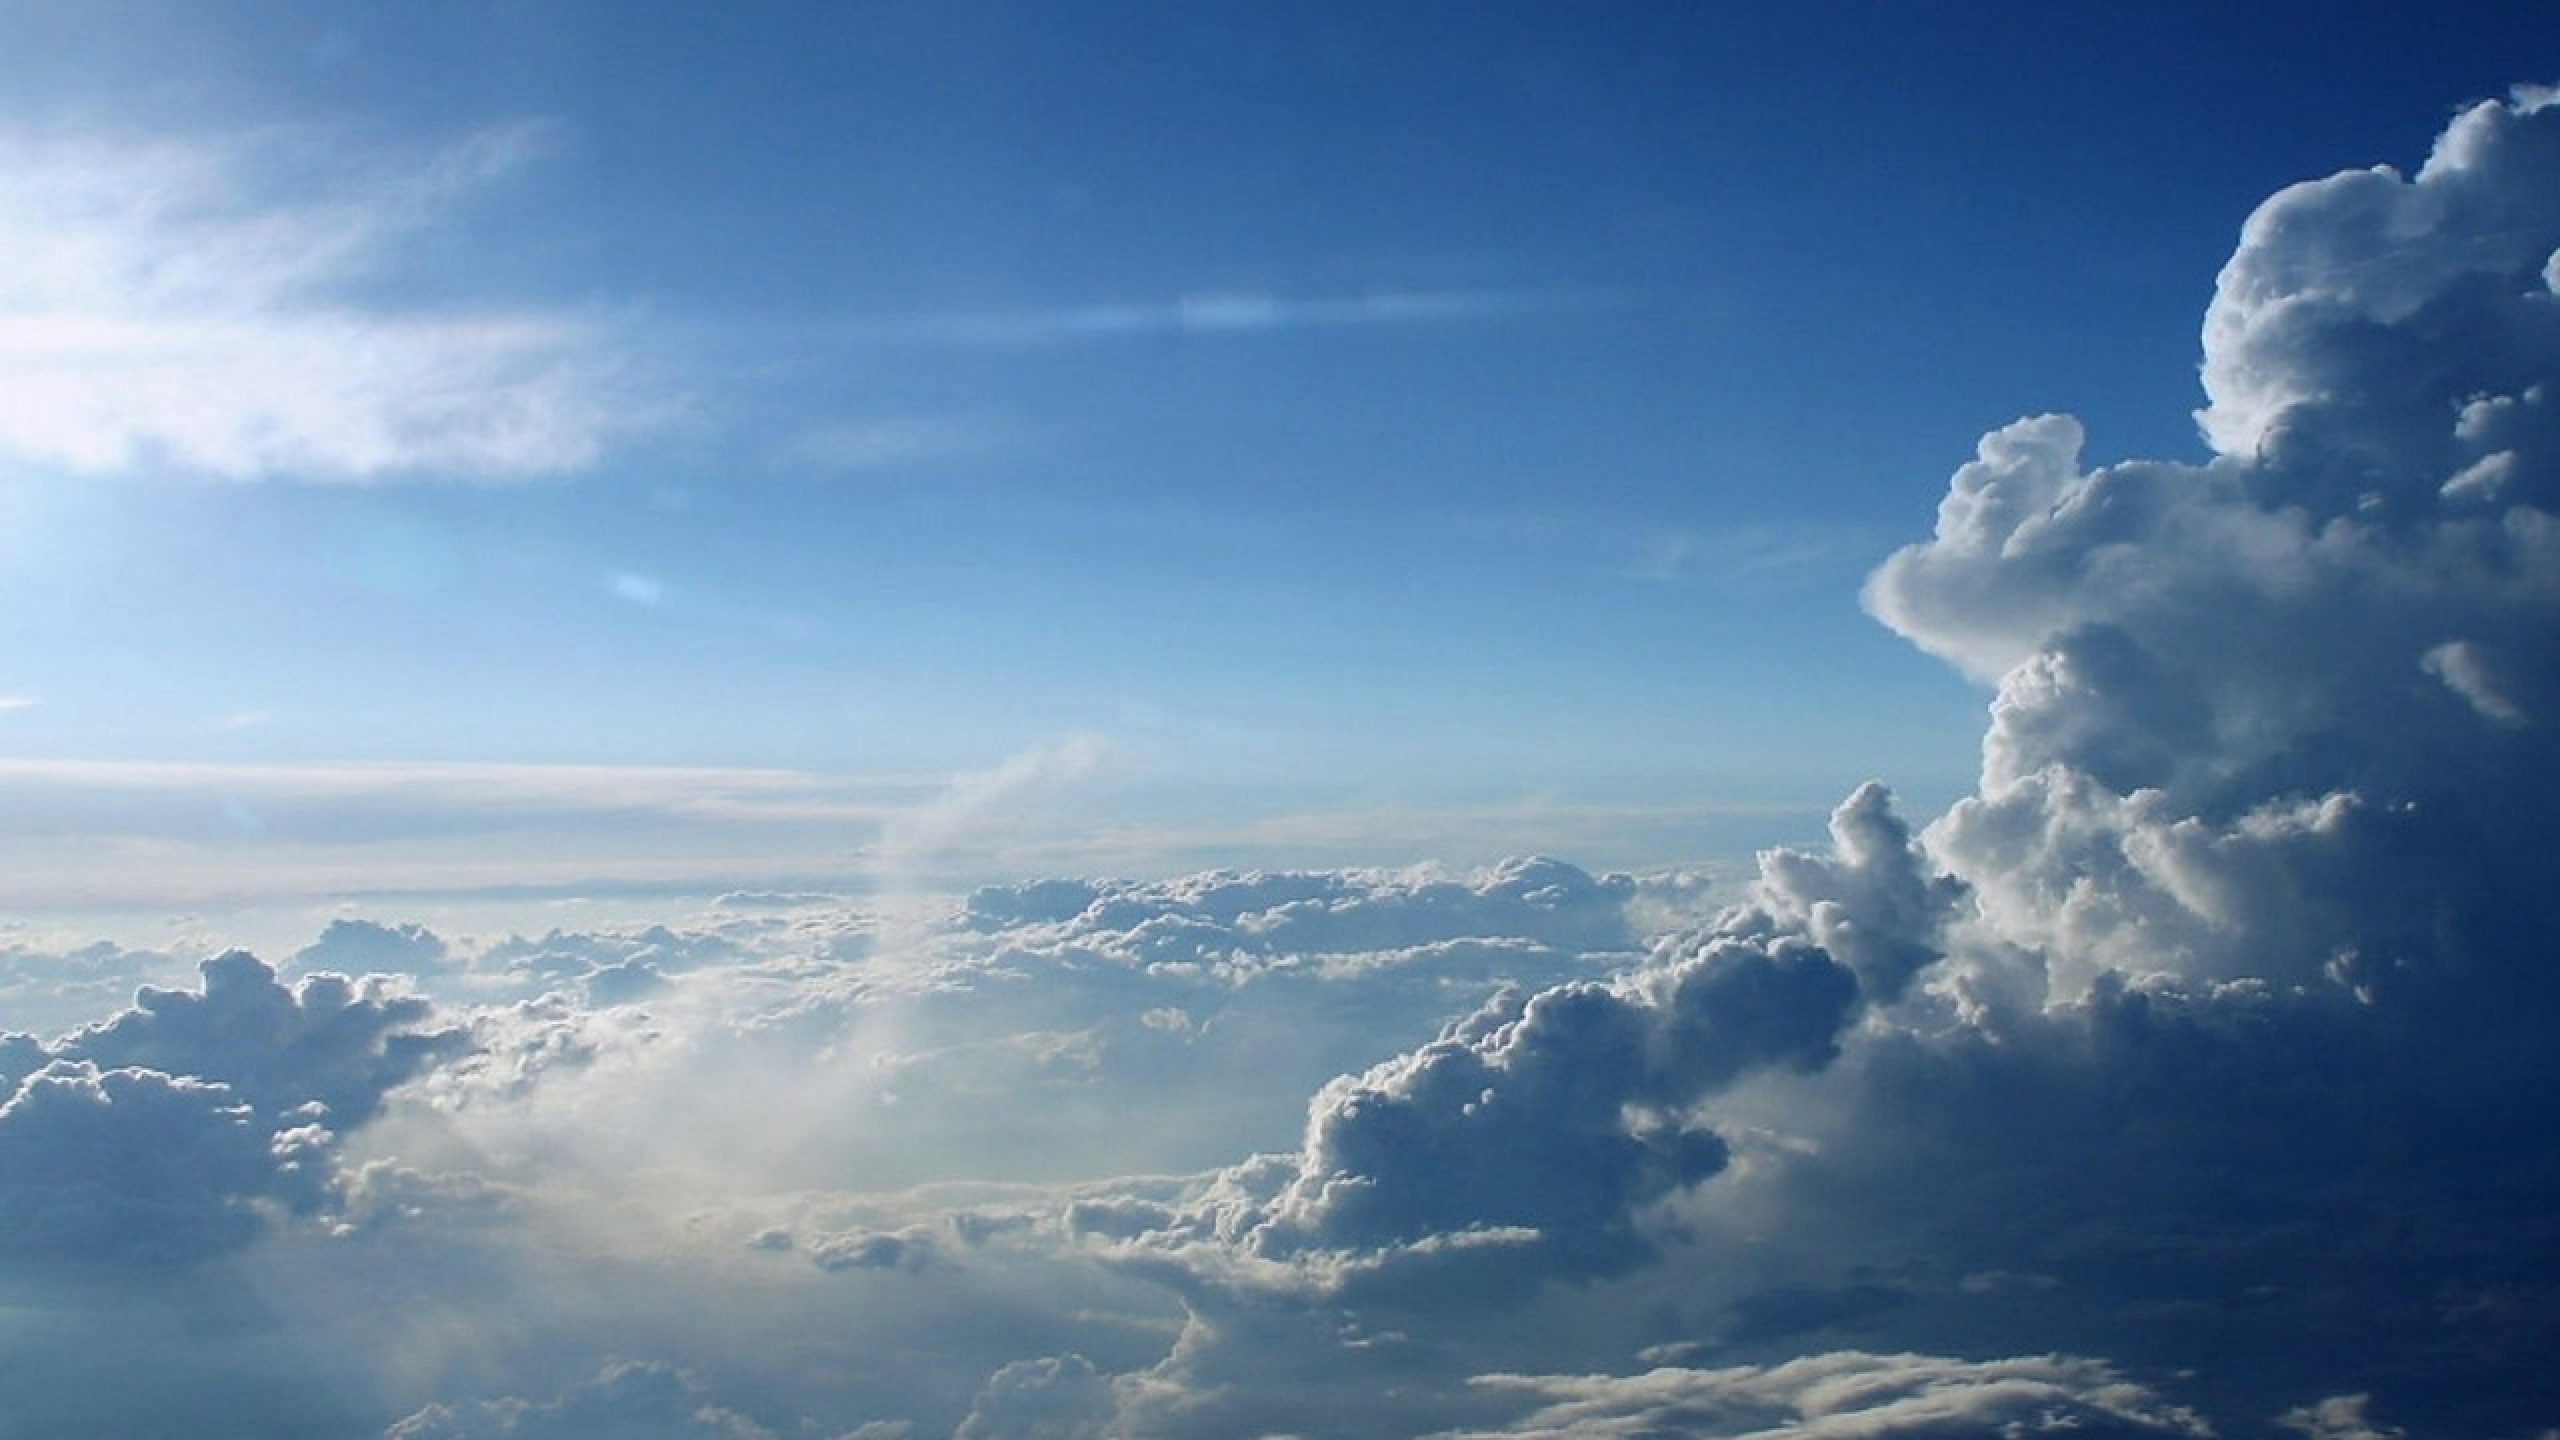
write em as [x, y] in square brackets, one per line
[839, 721]
[1359, 438]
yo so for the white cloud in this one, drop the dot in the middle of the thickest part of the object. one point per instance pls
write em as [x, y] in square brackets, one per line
[2465, 671]
[2215, 748]
[2338, 282]
[636, 589]
[642, 1400]
[977, 806]
[212, 306]
[2339, 1417]
[1844, 1395]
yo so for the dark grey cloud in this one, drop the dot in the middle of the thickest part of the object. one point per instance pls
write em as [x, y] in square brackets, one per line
[2272, 1195]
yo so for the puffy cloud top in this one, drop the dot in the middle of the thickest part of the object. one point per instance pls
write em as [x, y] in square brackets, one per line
[2201, 1036]
[329, 1041]
[1543, 1123]
[161, 1132]
[1259, 913]
[2362, 311]
[2265, 697]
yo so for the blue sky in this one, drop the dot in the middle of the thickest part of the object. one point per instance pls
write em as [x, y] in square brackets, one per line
[1331, 413]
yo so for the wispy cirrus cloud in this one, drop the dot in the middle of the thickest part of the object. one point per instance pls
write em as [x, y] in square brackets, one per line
[892, 442]
[1221, 312]
[192, 305]
[1669, 555]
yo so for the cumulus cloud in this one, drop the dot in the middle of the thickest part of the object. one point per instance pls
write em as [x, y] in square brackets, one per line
[591, 1151]
[365, 946]
[908, 1249]
[2197, 998]
[2248, 710]
[1542, 1124]
[1012, 1034]
[1214, 914]
[329, 1042]
[49, 986]
[1052, 1398]
[136, 1164]
[2363, 312]
[168, 1131]
[1846, 1394]
[212, 306]
[643, 1400]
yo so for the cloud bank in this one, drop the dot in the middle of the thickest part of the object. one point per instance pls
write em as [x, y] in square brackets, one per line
[2190, 1077]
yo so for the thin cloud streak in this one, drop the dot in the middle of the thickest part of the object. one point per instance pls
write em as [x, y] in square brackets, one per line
[895, 442]
[76, 833]
[702, 791]
[1222, 312]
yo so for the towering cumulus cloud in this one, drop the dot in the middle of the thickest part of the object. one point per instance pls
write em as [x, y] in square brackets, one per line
[2207, 1040]
[2288, 712]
